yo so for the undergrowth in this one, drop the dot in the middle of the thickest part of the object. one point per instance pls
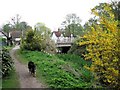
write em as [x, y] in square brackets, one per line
[60, 71]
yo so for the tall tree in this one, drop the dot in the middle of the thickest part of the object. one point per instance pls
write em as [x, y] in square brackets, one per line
[24, 27]
[6, 31]
[71, 25]
[6, 28]
[15, 22]
[115, 8]
[42, 30]
[47, 44]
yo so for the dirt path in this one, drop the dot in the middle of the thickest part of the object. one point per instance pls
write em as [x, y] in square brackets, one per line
[26, 80]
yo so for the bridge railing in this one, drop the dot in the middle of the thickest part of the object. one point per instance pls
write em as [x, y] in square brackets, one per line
[65, 40]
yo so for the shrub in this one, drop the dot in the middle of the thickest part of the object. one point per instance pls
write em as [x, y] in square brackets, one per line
[4, 43]
[103, 49]
[77, 50]
[31, 42]
[7, 64]
[35, 41]
[49, 46]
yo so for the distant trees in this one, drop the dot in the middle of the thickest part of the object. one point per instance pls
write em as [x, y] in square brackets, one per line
[45, 33]
[42, 30]
[39, 39]
[6, 30]
[71, 25]
[14, 24]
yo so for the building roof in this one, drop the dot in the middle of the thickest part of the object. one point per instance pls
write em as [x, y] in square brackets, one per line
[16, 34]
[57, 33]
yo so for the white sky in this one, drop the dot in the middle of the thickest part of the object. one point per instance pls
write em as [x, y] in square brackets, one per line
[50, 12]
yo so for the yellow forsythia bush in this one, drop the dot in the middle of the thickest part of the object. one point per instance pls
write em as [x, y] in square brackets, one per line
[103, 48]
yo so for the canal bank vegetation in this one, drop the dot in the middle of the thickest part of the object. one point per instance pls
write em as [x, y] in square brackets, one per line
[60, 71]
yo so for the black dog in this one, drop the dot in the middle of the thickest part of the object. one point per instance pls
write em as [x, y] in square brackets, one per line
[31, 67]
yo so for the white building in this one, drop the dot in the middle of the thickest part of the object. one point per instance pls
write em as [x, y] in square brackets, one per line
[58, 37]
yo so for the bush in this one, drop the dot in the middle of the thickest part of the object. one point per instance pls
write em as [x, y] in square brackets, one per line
[35, 41]
[7, 64]
[31, 42]
[4, 43]
[103, 48]
[77, 50]
[50, 46]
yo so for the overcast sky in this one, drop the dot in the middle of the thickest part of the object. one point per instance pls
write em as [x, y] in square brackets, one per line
[50, 12]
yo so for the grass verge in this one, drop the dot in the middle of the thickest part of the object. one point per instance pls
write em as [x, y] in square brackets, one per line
[59, 71]
[11, 81]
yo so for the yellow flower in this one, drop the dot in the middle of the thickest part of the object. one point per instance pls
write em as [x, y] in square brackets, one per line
[86, 67]
[108, 80]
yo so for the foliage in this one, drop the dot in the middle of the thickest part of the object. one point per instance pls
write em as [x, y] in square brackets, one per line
[75, 29]
[38, 39]
[31, 42]
[47, 43]
[61, 71]
[16, 24]
[11, 81]
[3, 41]
[13, 25]
[103, 48]
[72, 25]
[42, 30]
[7, 64]
[77, 60]
[77, 49]
[50, 46]
[87, 25]
[6, 28]
[71, 18]
[115, 8]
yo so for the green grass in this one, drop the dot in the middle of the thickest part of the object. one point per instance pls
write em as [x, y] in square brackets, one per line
[59, 71]
[11, 81]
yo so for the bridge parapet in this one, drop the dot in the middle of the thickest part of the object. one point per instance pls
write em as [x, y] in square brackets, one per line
[64, 42]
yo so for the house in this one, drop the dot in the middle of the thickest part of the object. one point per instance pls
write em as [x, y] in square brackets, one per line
[58, 37]
[16, 37]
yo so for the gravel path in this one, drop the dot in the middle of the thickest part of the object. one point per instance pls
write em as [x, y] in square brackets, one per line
[26, 80]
